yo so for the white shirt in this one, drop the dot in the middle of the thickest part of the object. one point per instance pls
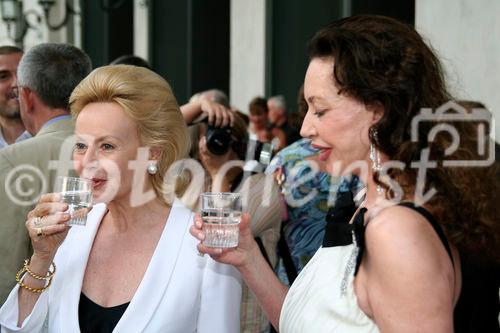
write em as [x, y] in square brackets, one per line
[180, 291]
[24, 135]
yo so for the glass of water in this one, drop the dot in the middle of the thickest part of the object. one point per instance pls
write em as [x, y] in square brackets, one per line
[221, 214]
[77, 193]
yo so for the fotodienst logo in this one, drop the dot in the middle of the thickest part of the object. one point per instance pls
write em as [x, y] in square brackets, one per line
[25, 183]
[444, 117]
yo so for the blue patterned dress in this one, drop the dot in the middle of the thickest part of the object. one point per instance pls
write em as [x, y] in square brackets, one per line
[306, 192]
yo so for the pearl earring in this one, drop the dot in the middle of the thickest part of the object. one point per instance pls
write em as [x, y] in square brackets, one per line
[152, 168]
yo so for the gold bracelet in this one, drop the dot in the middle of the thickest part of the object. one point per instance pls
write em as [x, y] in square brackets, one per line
[19, 275]
[47, 276]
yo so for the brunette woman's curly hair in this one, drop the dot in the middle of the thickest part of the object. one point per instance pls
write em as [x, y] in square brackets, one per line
[383, 62]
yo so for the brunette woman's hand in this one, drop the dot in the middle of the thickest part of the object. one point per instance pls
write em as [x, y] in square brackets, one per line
[239, 256]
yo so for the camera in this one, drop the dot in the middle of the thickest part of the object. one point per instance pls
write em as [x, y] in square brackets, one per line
[219, 139]
[261, 152]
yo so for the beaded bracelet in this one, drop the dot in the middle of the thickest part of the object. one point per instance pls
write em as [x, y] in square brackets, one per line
[47, 276]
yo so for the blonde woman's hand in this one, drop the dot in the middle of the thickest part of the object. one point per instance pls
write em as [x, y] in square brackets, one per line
[239, 256]
[46, 225]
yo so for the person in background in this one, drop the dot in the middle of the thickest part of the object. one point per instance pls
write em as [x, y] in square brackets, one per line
[211, 95]
[11, 126]
[278, 117]
[213, 162]
[133, 267]
[390, 260]
[130, 59]
[306, 186]
[259, 127]
[47, 75]
[295, 119]
[212, 103]
[217, 96]
[242, 116]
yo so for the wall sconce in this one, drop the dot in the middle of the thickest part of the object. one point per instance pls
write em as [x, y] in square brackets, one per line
[47, 5]
[11, 9]
[13, 15]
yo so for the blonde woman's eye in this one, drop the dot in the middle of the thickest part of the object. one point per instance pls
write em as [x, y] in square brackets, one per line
[107, 146]
[80, 146]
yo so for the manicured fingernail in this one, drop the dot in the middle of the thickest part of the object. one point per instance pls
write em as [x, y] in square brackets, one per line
[198, 224]
[201, 236]
[218, 251]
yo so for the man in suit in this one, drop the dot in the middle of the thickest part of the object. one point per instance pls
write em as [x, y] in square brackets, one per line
[47, 74]
[11, 126]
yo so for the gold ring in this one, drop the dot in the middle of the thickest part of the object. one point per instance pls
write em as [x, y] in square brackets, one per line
[39, 232]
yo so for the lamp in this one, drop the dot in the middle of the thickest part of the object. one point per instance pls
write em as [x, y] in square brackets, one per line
[47, 5]
[12, 14]
[11, 9]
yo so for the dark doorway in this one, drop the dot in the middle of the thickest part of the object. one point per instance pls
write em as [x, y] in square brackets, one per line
[190, 45]
[108, 29]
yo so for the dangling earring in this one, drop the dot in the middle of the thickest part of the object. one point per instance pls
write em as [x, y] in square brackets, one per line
[152, 168]
[375, 158]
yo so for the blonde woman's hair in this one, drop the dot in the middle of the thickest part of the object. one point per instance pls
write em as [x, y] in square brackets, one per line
[149, 101]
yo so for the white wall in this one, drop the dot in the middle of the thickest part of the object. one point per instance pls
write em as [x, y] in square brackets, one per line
[247, 58]
[466, 34]
[141, 29]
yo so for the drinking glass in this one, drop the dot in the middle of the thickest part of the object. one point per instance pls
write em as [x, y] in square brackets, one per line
[221, 215]
[77, 193]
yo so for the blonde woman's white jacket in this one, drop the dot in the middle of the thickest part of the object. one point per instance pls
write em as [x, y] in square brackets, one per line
[180, 291]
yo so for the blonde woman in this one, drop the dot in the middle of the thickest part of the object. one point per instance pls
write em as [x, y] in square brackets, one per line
[133, 267]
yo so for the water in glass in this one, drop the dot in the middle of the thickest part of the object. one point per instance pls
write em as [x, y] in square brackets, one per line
[221, 227]
[78, 202]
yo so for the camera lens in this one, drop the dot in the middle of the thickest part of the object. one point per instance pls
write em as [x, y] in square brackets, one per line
[218, 140]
